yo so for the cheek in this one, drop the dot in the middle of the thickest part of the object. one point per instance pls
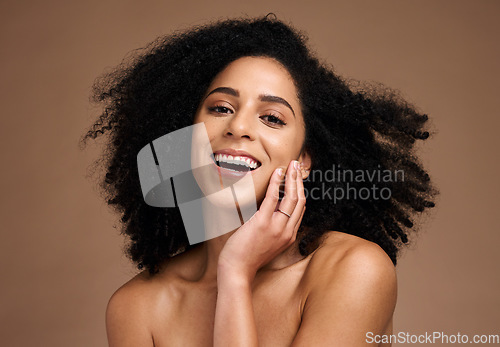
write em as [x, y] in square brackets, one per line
[283, 150]
[209, 126]
[211, 132]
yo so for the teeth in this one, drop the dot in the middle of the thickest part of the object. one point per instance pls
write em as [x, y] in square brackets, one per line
[238, 160]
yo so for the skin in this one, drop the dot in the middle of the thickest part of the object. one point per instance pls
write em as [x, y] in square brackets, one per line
[251, 287]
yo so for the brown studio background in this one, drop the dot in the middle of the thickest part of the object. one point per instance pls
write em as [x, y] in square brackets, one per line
[61, 258]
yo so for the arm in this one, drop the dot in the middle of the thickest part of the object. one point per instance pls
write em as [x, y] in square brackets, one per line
[234, 316]
[252, 246]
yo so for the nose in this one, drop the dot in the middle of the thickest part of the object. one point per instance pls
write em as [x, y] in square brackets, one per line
[240, 125]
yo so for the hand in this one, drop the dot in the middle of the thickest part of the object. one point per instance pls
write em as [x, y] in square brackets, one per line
[269, 232]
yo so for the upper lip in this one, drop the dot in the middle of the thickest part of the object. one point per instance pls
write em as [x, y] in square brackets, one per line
[236, 152]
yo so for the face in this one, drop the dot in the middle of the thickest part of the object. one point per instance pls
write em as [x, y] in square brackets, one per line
[251, 111]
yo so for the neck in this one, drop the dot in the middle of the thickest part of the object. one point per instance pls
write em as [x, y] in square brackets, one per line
[208, 259]
[209, 256]
[217, 219]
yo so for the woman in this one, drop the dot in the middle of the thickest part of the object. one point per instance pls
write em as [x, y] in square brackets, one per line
[288, 276]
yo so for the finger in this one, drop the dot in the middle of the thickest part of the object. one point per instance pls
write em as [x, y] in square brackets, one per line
[270, 201]
[301, 201]
[290, 199]
[300, 187]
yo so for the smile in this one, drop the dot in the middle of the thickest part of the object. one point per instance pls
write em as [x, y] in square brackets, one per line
[236, 163]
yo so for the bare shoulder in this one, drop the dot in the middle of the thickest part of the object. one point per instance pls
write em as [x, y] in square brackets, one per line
[351, 290]
[352, 268]
[341, 253]
[347, 261]
[133, 309]
[128, 313]
[133, 296]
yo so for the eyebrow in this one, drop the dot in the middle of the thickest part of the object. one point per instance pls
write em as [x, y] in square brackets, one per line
[273, 98]
[225, 90]
[262, 97]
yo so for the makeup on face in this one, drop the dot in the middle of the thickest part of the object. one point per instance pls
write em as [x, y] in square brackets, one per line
[253, 119]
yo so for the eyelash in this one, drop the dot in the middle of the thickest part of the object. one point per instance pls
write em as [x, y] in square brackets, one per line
[219, 109]
[279, 121]
[224, 110]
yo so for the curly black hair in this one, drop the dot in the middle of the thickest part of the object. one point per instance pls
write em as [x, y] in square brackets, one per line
[372, 129]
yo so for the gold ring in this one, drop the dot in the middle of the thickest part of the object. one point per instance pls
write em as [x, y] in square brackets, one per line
[286, 214]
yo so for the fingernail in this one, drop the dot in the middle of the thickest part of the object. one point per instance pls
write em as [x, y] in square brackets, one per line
[296, 165]
[280, 172]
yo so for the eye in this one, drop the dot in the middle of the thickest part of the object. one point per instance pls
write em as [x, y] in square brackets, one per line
[220, 109]
[273, 120]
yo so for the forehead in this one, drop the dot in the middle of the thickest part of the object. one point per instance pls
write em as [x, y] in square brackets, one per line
[257, 75]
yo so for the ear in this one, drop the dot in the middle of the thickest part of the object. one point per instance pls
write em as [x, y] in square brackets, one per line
[305, 160]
